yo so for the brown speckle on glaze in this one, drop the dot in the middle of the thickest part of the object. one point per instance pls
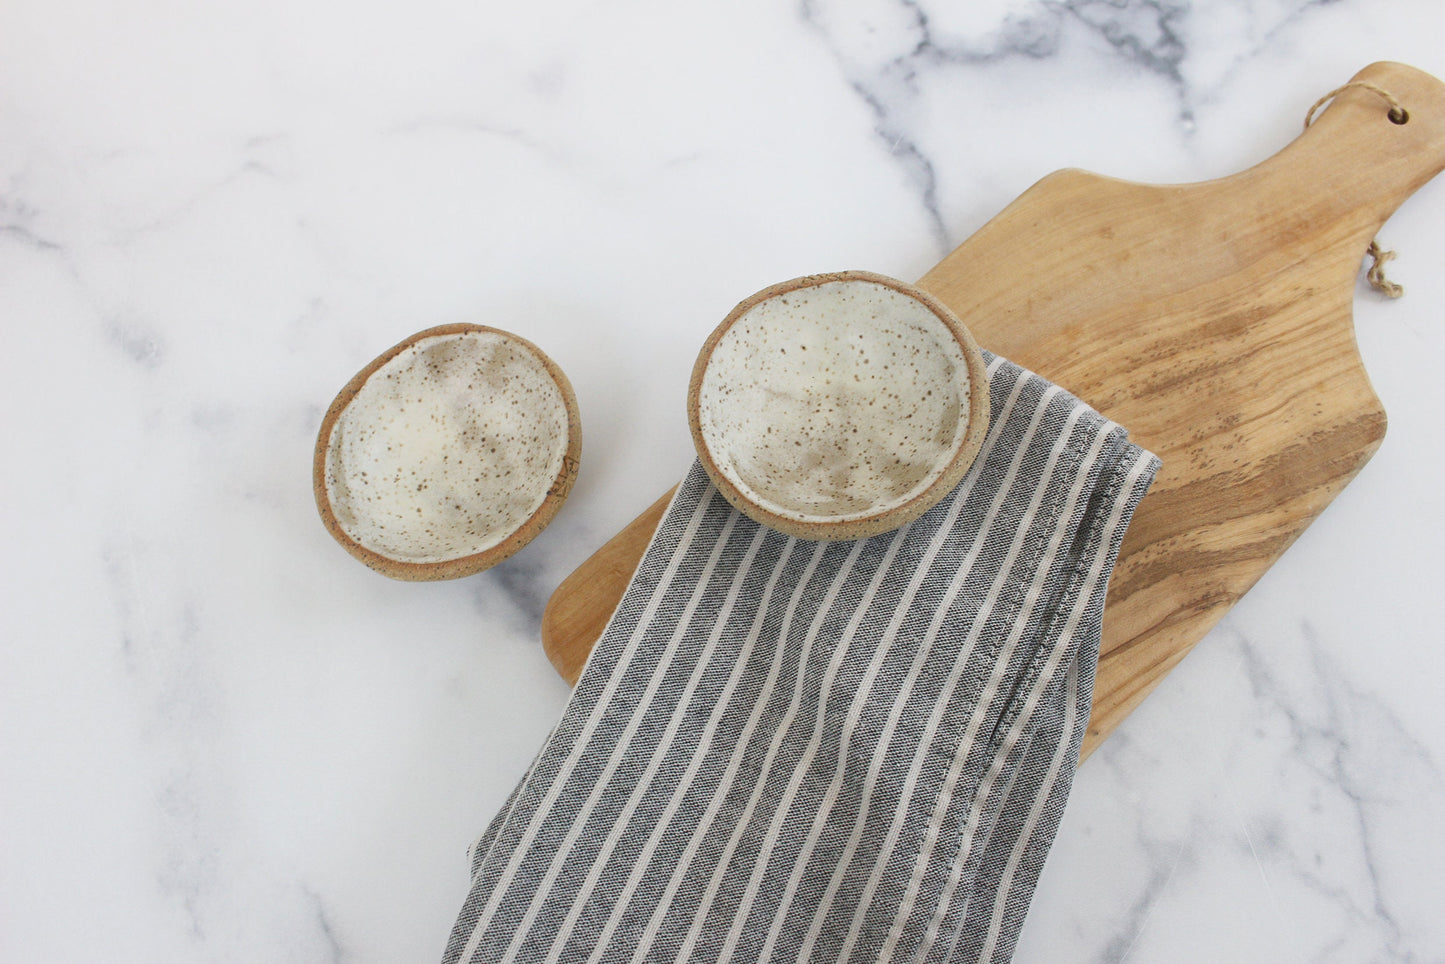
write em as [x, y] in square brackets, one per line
[848, 400]
[447, 453]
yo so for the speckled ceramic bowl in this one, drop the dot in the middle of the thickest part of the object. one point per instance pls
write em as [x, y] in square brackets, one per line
[838, 406]
[448, 453]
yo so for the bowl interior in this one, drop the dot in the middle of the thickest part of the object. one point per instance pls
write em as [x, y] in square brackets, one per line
[834, 401]
[448, 447]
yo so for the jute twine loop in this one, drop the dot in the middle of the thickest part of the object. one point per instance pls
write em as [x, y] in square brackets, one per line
[1397, 115]
[1397, 112]
[1376, 274]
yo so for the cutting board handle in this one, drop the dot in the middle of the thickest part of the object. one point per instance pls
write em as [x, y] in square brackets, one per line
[1354, 158]
[1303, 218]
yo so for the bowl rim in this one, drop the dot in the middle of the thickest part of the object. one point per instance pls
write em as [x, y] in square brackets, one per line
[884, 520]
[475, 562]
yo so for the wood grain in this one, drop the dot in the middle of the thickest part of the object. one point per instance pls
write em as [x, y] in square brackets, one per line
[1214, 321]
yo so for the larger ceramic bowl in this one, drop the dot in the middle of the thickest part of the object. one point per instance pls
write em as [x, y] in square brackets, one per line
[838, 406]
[448, 453]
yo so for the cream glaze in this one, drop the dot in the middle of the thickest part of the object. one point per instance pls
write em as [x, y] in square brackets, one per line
[448, 448]
[835, 402]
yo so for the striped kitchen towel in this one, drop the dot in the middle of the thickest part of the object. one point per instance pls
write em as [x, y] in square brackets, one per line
[784, 750]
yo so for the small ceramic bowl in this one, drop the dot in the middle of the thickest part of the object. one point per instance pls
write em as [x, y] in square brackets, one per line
[838, 406]
[448, 453]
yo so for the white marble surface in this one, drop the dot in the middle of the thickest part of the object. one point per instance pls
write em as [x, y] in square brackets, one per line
[222, 739]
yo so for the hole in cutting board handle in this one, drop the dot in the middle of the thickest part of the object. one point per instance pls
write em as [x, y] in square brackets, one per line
[1398, 115]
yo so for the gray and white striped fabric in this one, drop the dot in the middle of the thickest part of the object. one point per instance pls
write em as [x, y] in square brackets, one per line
[799, 751]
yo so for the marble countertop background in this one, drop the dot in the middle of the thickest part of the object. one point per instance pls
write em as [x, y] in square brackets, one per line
[222, 739]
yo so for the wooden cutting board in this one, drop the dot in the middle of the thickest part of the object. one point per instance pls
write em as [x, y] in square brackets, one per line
[1212, 320]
